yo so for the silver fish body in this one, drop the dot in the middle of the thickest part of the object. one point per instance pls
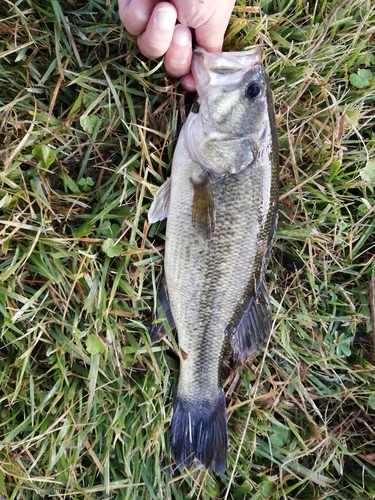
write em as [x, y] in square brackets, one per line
[221, 203]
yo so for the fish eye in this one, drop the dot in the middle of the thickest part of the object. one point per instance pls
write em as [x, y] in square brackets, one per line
[253, 90]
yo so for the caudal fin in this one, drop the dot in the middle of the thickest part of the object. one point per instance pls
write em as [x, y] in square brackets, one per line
[200, 433]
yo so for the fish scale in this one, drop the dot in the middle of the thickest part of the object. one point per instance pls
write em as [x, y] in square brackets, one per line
[222, 211]
[218, 270]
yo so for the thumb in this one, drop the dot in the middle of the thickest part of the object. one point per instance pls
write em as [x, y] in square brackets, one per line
[210, 35]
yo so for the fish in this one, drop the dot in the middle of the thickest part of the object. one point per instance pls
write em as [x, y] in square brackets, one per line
[221, 204]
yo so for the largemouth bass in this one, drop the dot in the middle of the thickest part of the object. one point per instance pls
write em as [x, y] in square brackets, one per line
[221, 204]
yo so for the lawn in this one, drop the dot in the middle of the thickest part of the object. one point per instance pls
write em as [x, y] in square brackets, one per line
[88, 128]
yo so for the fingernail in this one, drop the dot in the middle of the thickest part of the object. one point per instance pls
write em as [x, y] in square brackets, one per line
[165, 18]
[188, 83]
[182, 36]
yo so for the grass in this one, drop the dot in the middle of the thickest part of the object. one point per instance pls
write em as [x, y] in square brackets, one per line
[88, 129]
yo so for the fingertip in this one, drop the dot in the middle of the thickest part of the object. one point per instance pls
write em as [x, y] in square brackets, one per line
[182, 36]
[210, 34]
[135, 16]
[188, 82]
[165, 16]
[210, 47]
[178, 57]
[157, 37]
[210, 41]
[121, 6]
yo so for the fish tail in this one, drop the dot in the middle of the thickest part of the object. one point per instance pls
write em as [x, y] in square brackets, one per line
[200, 433]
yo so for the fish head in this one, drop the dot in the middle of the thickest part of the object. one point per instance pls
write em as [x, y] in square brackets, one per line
[235, 109]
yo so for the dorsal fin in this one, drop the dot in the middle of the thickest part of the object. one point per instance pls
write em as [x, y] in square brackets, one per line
[253, 327]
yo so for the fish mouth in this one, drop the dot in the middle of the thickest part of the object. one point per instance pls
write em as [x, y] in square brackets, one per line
[233, 59]
[211, 69]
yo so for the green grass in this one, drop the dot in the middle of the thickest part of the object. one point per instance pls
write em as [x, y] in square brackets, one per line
[88, 129]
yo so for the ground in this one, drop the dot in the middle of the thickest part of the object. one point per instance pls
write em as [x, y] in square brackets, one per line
[88, 129]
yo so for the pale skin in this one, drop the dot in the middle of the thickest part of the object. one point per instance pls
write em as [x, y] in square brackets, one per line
[165, 29]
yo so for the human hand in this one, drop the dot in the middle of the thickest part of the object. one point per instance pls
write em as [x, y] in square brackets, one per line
[154, 24]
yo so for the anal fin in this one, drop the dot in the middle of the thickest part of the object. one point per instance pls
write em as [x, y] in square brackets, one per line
[157, 331]
[253, 327]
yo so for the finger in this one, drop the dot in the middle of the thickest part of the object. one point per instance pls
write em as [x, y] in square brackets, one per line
[157, 37]
[210, 35]
[193, 13]
[135, 14]
[177, 60]
[188, 82]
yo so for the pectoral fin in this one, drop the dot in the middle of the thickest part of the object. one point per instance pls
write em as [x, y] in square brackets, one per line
[203, 210]
[253, 327]
[157, 331]
[160, 206]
